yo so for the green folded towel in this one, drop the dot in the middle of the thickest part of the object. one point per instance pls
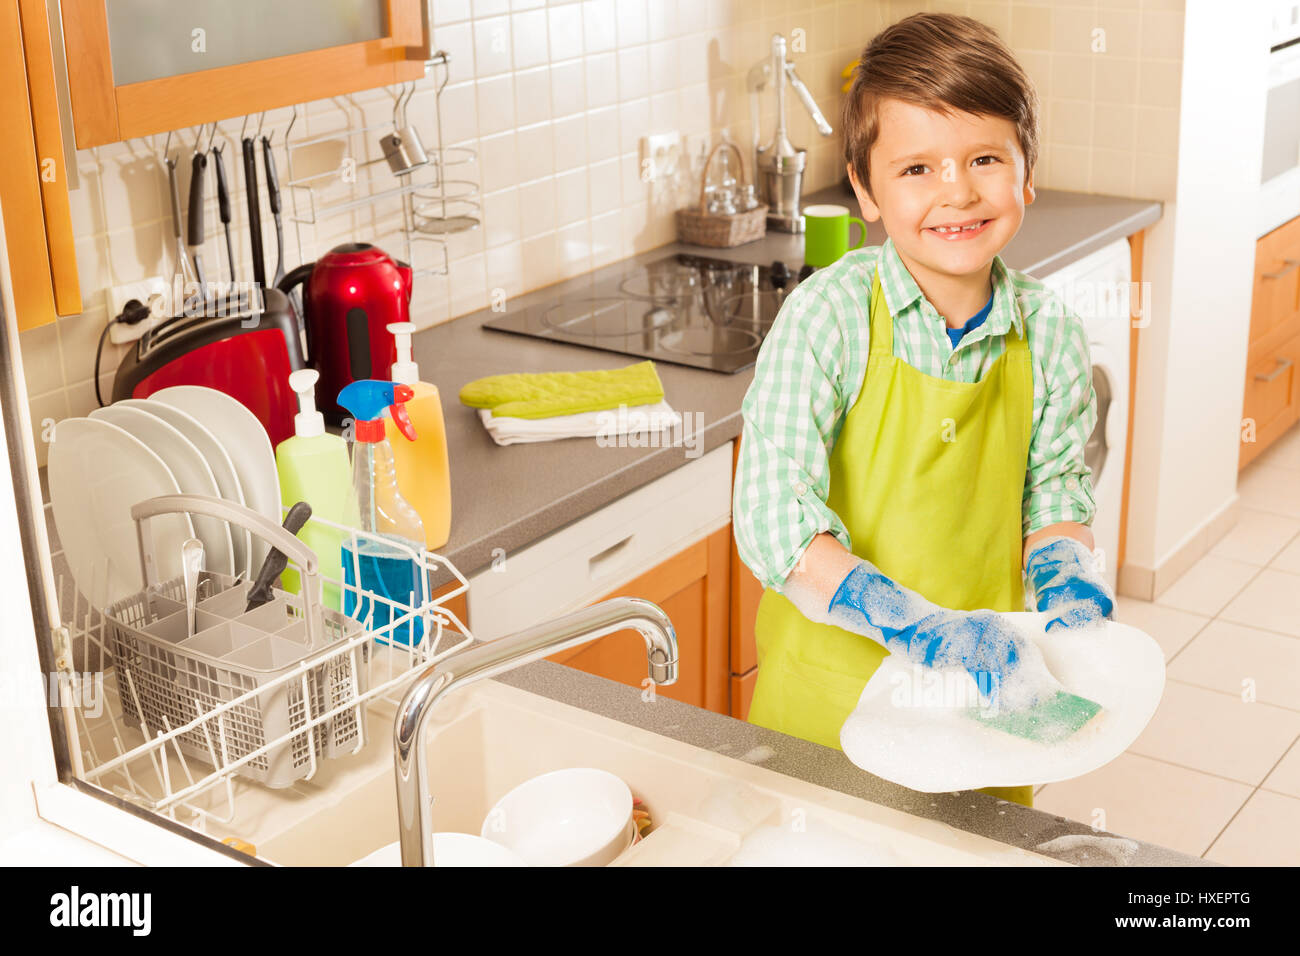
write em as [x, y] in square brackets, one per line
[547, 394]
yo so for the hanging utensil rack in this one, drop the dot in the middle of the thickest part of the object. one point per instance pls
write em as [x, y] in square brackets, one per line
[436, 198]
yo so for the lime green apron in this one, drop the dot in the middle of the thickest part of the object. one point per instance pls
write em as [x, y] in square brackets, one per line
[927, 476]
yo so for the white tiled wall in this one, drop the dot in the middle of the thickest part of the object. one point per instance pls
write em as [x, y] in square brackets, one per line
[555, 97]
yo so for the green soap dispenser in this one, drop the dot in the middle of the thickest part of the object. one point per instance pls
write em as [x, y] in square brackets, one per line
[314, 467]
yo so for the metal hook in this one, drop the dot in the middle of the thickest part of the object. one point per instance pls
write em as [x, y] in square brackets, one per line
[244, 127]
[212, 136]
[167, 146]
[441, 58]
[260, 120]
[289, 129]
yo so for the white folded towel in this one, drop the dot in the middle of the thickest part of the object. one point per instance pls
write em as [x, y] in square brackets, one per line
[608, 423]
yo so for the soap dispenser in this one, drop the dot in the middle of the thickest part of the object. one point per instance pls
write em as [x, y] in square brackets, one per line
[423, 472]
[313, 467]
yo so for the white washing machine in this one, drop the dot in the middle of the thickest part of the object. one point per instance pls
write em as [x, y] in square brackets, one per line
[1097, 289]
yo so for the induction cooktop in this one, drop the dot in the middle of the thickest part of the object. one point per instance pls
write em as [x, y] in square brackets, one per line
[683, 309]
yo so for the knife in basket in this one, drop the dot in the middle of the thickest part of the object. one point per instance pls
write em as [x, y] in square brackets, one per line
[275, 561]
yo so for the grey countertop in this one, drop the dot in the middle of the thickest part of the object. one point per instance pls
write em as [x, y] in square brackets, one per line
[509, 497]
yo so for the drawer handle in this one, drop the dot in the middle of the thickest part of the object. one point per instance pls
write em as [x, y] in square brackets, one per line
[598, 564]
[1290, 265]
[1282, 365]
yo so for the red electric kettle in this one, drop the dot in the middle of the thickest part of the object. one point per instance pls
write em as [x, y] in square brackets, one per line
[350, 295]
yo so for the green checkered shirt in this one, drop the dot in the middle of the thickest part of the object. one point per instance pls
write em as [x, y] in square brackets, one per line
[810, 371]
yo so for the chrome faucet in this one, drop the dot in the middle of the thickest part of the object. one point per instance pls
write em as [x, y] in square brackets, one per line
[496, 657]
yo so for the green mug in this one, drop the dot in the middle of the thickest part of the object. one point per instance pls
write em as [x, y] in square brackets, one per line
[826, 234]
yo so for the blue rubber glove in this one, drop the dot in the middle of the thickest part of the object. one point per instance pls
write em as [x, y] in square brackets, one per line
[868, 602]
[1065, 579]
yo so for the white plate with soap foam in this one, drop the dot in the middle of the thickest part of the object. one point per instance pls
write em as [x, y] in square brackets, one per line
[913, 726]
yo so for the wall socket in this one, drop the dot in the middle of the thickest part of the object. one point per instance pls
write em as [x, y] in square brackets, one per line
[661, 153]
[119, 295]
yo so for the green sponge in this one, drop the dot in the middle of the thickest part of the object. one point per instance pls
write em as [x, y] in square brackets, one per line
[1049, 722]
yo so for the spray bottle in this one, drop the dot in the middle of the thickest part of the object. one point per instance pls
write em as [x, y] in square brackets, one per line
[389, 565]
[313, 467]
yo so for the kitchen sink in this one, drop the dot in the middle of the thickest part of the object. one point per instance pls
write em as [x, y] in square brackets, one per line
[708, 809]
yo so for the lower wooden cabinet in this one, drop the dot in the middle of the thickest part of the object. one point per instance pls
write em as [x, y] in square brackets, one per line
[693, 588]
[1271, 403]
[712, 598]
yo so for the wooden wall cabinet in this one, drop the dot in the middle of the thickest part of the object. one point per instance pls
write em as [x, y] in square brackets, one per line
[1272, 398]
[105, 110]
[33, 174]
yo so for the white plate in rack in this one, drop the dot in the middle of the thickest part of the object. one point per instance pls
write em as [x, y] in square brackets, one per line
[191, 471]
[97, 472]
[246, 442]
[223, 469]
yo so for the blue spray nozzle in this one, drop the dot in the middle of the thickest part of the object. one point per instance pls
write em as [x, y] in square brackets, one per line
[367, 398]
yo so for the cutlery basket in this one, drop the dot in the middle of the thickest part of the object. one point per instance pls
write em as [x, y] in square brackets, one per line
[168, 679]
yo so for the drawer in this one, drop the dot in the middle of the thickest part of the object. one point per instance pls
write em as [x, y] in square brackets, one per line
[1272, 397]
[1275, 303]
[594, 555]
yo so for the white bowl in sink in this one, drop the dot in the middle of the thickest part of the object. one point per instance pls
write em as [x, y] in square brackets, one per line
[450, 849]
[579, 816]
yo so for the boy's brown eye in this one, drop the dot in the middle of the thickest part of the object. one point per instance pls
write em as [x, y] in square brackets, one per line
[908, 170]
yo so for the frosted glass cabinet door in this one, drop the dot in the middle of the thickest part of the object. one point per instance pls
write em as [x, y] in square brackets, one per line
[137, 67]
[152, 39]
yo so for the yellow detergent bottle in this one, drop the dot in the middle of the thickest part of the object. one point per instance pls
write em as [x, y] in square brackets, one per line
[314, 467]
[423, 473]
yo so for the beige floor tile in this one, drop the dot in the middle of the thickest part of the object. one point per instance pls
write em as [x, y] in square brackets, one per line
[1257, 537]
[1285, 452]
[1170, 627]
[1217, 733]
[1258, 835]
[1266, 487]
[1288, 559]
[1225, 656]
[1208, 585]
[1285, 777]
[1271, 601]
[1148, 800]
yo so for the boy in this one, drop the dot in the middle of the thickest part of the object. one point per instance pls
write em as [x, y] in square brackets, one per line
[916, 424]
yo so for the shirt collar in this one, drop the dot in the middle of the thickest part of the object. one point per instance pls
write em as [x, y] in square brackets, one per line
[902, 292]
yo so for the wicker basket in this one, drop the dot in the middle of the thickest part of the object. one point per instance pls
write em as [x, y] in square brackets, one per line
[702, 228]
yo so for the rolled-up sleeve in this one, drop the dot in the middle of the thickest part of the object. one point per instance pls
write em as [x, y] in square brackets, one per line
[791, 414]
[1058, 482]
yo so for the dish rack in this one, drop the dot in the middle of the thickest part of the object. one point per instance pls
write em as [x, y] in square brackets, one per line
[436, 199]
[253, 698]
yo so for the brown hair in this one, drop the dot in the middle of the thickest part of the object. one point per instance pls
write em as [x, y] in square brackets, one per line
[941, 62]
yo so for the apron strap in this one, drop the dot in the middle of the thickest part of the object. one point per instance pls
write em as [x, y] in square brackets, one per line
[881, 322]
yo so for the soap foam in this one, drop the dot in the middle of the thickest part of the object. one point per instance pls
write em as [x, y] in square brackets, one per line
[938, 745]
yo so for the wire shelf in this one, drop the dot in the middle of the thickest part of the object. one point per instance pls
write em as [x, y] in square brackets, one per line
[335, 174]
[160, 771]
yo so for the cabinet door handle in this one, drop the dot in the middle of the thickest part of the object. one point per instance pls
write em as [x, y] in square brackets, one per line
[1290, 265]
[1282, 365]
[600, 565]
[425, 49]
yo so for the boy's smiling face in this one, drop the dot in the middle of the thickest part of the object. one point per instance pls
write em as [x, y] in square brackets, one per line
[933, 170]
